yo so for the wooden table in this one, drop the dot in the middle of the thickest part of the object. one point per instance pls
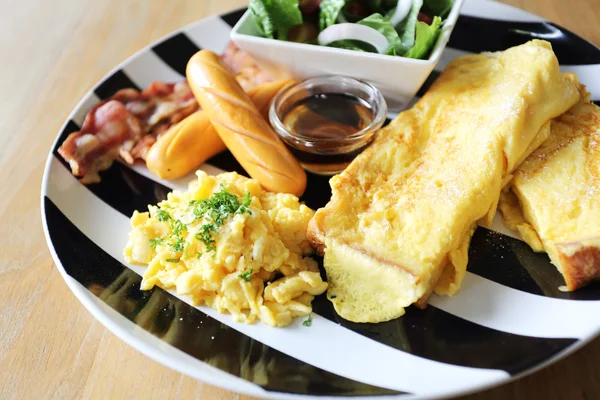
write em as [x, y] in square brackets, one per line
[52, 53]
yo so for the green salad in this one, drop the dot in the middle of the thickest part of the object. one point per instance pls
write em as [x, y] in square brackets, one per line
[407, 28]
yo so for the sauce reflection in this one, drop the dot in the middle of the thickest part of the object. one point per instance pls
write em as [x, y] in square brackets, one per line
[197, 334]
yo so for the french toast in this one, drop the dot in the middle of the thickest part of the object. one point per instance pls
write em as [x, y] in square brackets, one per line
[554, 197]
[402, 214]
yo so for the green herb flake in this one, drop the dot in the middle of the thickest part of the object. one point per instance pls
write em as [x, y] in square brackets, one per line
[162, 215]
[205, 236]
[246, 275]
[177, 227]
[246, 201]
[177, 245]
[172, 260]
[215, 210]
[155, 242]
[308, 322]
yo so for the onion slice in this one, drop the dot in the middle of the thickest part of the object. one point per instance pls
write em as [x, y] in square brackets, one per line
[402, 9]
[349, 31]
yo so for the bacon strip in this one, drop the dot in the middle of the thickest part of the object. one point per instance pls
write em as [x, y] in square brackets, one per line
[126, 125]
[130, 122]
[107, 127]
[247, 72]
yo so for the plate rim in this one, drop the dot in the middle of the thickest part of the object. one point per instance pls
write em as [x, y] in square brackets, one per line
[230, 382]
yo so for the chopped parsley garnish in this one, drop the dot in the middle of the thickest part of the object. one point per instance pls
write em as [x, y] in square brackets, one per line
[205, 236]
[246, 200]
[162, 215]
[308, 322]
[172, 260]
[177, 245]
[176, 227]
[246, 275]
[155, 242]
[215, 210]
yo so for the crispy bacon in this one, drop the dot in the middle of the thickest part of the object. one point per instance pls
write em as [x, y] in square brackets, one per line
[158, 107]
[107, 127]
[246, 70]
[126, 125]
[130, 122]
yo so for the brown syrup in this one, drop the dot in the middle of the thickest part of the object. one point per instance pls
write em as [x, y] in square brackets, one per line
[332, 117]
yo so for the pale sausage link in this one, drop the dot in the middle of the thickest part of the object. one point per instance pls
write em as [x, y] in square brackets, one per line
[239, 124]
[189, 143]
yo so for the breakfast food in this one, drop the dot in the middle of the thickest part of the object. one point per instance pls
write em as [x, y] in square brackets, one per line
[326, 121]
[246, 70]
[128, 124]
[554, 197]
[189, 143]
[184, 147]
[401, 216]
[231, 245]
[239, 124]
[407, 28]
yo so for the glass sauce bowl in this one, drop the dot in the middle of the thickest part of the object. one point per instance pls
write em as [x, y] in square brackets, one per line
[326, 121]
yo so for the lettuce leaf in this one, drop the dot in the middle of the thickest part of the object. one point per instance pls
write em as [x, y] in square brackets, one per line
[385, 27]
[350, 44]
[258, 8]
[425, 38]
[407, 28]
[329, 11]
[440, 8]
[285, 14]
[275, 17]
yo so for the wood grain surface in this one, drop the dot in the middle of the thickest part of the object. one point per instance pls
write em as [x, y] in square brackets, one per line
[52, 53]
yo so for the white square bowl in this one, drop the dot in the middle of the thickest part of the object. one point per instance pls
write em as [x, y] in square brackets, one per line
[398, 78]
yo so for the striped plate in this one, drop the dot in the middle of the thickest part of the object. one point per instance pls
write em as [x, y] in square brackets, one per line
[509, 319]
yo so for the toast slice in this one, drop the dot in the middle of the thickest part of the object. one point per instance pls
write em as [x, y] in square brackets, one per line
[401, 216]
[554, 197]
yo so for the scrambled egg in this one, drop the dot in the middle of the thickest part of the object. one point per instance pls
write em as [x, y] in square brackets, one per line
[247, 255]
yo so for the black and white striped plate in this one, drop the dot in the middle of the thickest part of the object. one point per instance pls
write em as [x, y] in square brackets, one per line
[508, 320]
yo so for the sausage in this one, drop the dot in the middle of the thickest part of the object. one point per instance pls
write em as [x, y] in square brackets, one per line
[262, 96]
[192, 141]
[239, 124]
[184, 147]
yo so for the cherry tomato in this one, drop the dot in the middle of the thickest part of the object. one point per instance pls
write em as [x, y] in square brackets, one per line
[309, 6]
[303, 33]
[424, 18]
[356, 8]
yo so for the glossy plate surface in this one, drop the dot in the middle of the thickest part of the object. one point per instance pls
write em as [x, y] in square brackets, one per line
[508, 320]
